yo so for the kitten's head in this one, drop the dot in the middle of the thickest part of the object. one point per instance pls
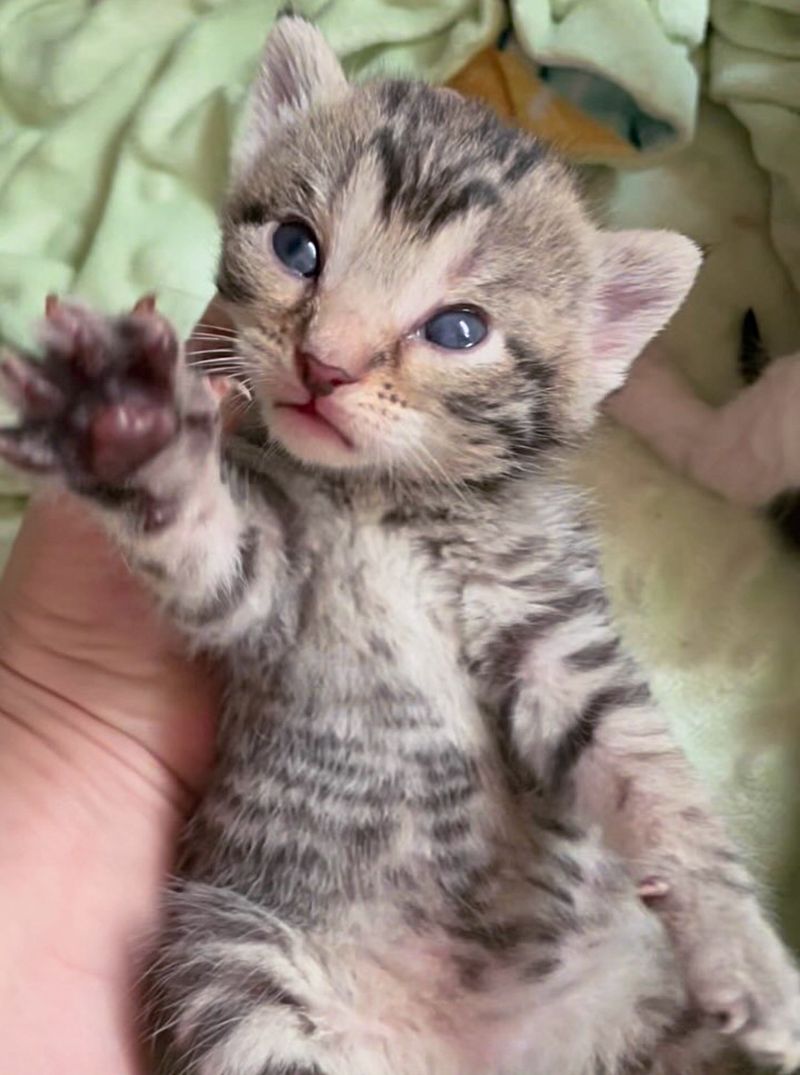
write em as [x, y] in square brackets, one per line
[417, 288]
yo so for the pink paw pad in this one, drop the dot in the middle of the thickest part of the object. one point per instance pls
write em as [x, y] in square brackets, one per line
[101, 402]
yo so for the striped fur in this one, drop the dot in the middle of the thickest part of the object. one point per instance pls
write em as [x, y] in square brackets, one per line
[442, 794]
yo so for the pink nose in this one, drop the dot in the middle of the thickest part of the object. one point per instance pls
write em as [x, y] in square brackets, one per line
[320, 378]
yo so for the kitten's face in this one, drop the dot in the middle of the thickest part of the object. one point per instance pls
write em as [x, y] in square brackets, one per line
[415, 285]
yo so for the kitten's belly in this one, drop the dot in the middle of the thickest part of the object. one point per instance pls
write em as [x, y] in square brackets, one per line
[338, 784]
[359, 802]
[359, 753]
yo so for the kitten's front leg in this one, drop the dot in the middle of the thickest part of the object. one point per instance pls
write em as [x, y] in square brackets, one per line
[113, 412]
[584, 726]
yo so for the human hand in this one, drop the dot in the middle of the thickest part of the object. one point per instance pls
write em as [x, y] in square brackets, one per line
[105, 740]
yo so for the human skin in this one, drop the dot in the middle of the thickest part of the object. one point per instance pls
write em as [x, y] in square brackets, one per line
[106, 737]
[105, 740]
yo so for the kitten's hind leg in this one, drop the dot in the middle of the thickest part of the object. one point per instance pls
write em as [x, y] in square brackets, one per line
[223, 996]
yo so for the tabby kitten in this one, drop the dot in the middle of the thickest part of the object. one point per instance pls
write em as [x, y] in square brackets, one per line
[448, 832]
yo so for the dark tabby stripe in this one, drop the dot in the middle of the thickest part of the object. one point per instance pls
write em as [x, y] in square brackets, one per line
[540, 968]
[445, 798]
[391, 160]
[506, 936]
[518, 772]
[451, 830]
[255, 214]
[527, 157]
[426, 203]
[444, 764]
[594, 655]
[505, 652]
[233, 284]
[475, 194]
[534, 368]
[581, 735]
[556, 892]
[394, 92]
[566, 830]
[496, 140]
[220, 1018]
[578, 602]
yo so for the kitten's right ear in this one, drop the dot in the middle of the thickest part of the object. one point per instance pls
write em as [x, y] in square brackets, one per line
[298, 70]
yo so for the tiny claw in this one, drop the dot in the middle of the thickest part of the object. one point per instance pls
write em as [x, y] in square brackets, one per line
[69, 335]
[51, 303]
[158, 351]
[145, 305]
[9, 378]
[22, 450]
[242, 389]
[732, 1015]
[651, 889]
[25, 388]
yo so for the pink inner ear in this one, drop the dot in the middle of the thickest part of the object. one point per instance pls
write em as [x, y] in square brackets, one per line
[628, 312]
[621, 299]
[642, 278]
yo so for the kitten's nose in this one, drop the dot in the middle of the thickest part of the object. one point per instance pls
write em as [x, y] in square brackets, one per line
[318, 377]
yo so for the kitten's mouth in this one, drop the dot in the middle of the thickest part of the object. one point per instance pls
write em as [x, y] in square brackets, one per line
[312, 421]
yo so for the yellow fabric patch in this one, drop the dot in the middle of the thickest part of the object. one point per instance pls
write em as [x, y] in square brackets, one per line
[503, 80]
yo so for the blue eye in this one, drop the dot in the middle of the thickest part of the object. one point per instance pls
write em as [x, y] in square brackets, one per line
[456, 329]
[296, 245]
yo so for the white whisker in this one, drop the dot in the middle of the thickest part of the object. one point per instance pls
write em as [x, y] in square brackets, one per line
[244, 391]
[449, 481]
[228, 360]
[220, 330]
[216, 363]
[214, 351]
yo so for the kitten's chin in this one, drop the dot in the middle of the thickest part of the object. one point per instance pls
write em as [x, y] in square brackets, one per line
[311, 438]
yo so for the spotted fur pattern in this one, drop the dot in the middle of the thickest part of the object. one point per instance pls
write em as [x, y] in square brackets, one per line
[448, 832]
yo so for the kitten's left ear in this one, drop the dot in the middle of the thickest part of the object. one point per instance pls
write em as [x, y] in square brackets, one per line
[298, 70]
[642, 279]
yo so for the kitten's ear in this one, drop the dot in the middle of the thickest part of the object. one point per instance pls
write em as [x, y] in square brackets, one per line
[298, 69]
[642, 279]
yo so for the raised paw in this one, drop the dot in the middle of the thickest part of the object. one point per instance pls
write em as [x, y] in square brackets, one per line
[108, 396]
[741, 979]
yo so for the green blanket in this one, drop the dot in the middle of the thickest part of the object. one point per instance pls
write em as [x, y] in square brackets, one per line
[115, 122]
